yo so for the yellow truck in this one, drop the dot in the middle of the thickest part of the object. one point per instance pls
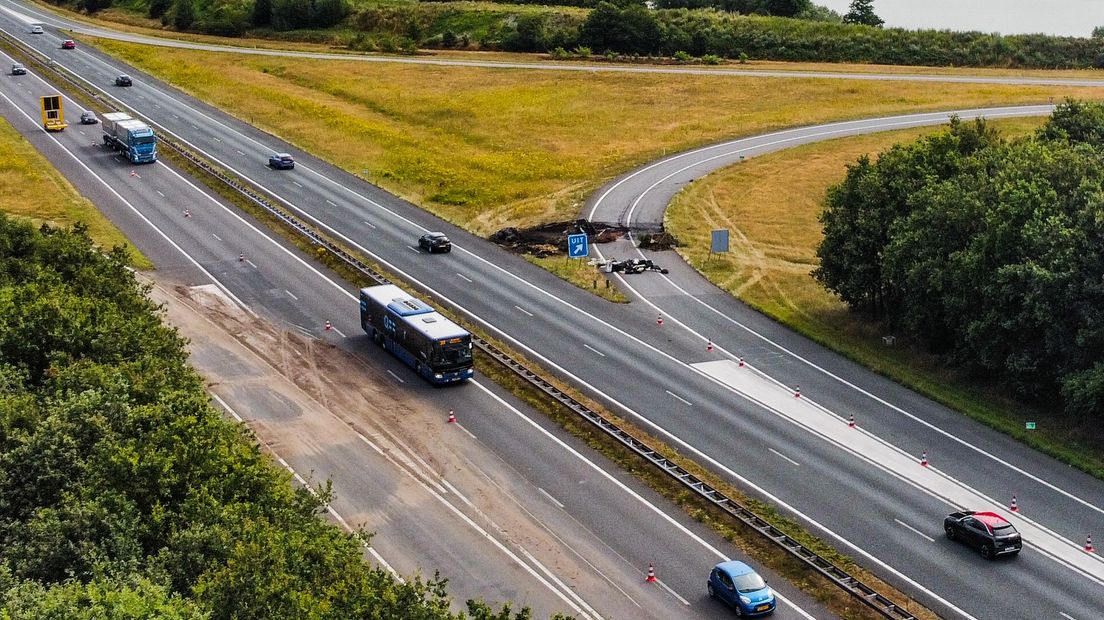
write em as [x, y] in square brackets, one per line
[53, 118]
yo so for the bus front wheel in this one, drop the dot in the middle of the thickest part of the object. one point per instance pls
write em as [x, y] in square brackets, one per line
[377, 337]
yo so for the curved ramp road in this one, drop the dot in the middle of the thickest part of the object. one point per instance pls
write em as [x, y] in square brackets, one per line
[503, 505]
[893, 423]
[664, 380]
[27, 14]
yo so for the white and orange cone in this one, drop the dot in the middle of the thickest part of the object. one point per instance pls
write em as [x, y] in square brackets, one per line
[651, 578]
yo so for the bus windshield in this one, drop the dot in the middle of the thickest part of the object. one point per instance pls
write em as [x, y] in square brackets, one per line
[453, 354]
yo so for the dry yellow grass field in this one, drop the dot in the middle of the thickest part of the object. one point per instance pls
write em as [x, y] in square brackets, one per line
[486, 148]
[33, 190]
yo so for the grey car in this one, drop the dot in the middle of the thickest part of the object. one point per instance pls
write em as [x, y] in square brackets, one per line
[88, 117]
[123, 80]
[18, 69]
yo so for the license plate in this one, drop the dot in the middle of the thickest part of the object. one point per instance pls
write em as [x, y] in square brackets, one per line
[762, 608]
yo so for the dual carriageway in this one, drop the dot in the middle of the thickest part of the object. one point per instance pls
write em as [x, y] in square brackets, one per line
[862, 490]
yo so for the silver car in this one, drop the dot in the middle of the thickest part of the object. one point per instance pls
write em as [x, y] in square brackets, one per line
[36, 29]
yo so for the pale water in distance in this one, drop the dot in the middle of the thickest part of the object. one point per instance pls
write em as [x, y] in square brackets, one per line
[1075, 18]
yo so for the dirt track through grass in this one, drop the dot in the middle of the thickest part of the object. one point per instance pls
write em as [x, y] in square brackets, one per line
[486, 148]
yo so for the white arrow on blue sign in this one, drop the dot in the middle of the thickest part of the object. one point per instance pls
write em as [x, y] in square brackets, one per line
[577, 246]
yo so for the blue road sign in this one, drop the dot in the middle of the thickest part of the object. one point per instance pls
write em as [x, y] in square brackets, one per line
[577, 246]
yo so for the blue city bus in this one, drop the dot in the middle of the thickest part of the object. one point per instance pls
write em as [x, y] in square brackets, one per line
[431, 344]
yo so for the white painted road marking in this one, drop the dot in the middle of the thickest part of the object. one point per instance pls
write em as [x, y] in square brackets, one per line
[296, 184]
[338, 331]
[462, 277]
[524, 310]
[593, 349]
[367, 223]
[216, 236]
[413, 249]
[1067, 616]
[290, 294]
[332, 203]
[550, 498]
[396, 377]
[239, 152]
[914, 530]
[673, 395]
[251, 263]
[159, 193]
[776, 452]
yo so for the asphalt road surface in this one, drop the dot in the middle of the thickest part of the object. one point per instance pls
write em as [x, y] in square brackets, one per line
[506, 506]
[877, 509]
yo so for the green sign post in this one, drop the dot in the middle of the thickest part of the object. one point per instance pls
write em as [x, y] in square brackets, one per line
[1030, 426]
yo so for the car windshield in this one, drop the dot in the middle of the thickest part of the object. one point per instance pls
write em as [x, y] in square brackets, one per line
[749, 582]
[145, 140]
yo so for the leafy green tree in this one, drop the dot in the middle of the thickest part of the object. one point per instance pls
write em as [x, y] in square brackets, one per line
[183, 14]
[158, 8]
[262, 13]
[631, 30]
[862, 12]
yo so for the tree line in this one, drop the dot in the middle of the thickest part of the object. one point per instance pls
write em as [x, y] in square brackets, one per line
[987, 251]
[125, 494]
[628, 28]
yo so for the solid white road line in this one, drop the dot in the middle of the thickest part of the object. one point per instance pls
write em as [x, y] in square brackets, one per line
[620, 485]
[291, 295]
[550, 498]
[464, 278]
[329, 509]
[396, 377]
[216, 236]
[524, 310]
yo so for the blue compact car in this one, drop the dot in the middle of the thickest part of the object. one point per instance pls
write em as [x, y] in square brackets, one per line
[742, 588]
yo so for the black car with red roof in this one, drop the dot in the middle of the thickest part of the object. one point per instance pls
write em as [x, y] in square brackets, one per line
[988, 532]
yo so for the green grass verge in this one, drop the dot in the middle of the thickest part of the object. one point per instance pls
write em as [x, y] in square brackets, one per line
[33, 190]
[770, 204]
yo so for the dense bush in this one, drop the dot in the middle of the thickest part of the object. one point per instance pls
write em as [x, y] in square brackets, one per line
[990, 252]
[124, 494]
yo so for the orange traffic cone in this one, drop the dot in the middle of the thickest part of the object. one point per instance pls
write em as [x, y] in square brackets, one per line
[1014, 507]
[651, 574]
[187, 213]
[328, 326]
[659, 321]
[1088, 545]
[241, 256]
[924, 459]
[452, 417]
[741, 362]
[797, 392]
[709, 345]
[851, 422]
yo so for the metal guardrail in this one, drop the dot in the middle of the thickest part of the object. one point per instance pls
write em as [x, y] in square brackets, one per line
[856, 588]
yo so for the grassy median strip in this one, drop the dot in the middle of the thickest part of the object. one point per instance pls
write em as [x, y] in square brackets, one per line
[770, 206]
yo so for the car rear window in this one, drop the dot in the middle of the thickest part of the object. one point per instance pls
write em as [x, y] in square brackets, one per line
[1004, 530]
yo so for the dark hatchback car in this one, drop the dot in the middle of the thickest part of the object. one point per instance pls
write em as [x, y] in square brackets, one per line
[738, 585]
[435, 242]
[988, 532]
[88, 117]
[123, 80]
[281, 161]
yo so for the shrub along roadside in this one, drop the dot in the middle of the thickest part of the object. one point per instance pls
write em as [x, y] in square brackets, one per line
[124, 493]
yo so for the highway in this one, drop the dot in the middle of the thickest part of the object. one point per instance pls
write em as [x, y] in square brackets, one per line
[531, 515]
[664, 379]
